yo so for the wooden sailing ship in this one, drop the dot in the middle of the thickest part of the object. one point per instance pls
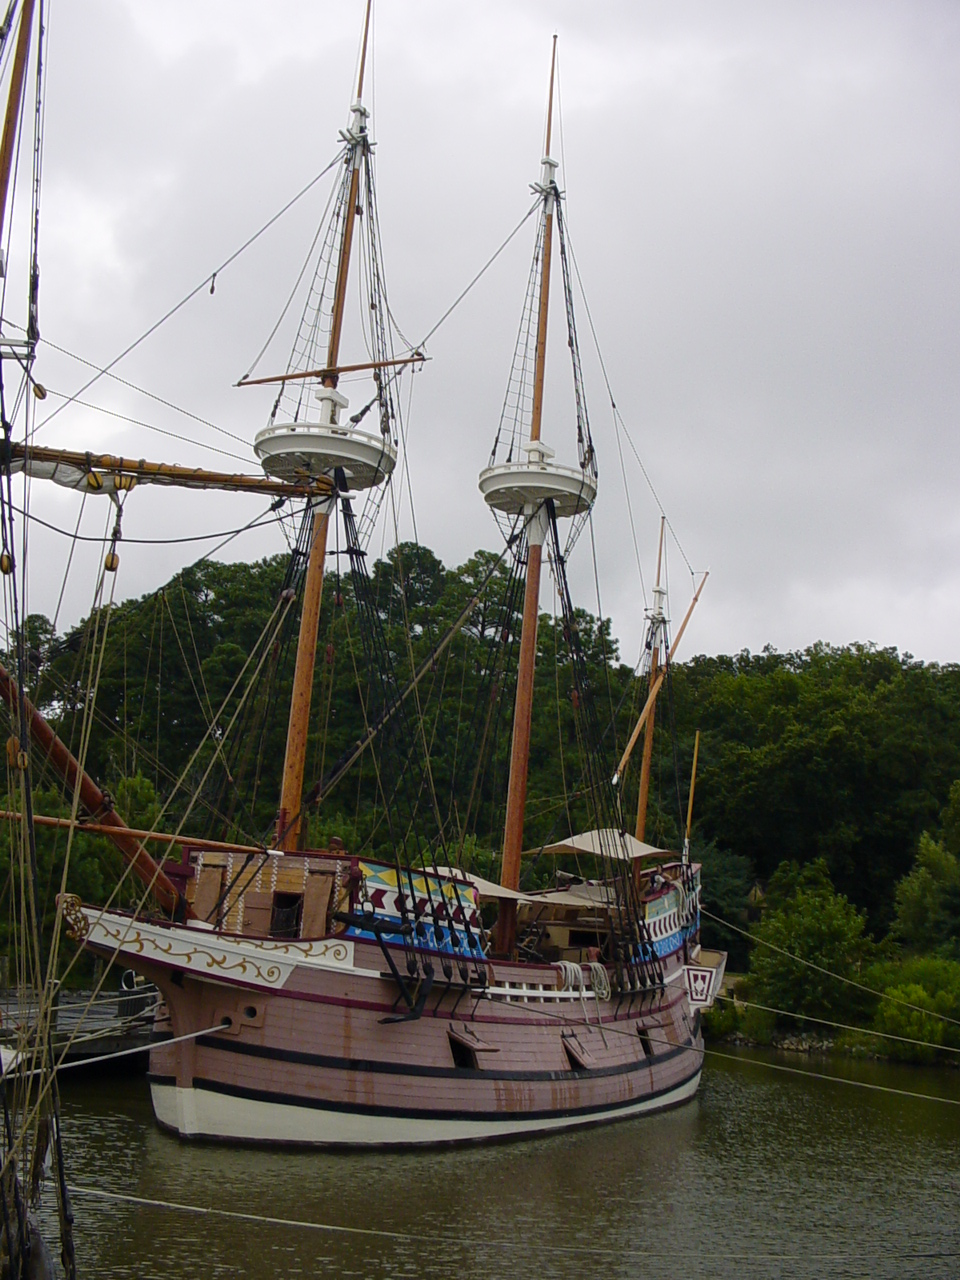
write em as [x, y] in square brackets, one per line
[315, 996]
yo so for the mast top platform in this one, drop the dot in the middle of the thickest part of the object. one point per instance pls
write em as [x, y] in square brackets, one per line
[295, 450]
[515, 487]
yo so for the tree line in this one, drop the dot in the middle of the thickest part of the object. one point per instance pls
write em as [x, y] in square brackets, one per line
[834, 761]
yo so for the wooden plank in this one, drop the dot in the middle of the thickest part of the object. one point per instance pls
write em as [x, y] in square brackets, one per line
[207, 893]
[316, 899]
[257, 911]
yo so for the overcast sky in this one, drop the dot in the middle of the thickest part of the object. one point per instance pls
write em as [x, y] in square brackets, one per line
[764, 201]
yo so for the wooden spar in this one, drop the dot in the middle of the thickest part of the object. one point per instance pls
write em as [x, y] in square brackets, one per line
[417, 358]
[363, 50]
[519, 754]
[289, 816]
[294, 760]
[343, 270]
[136, 833]
[141, 472]
[92, 798]
[537, 412]
[686, 617]
[641, 721]
[651, 698]
[506, 935]
[14, 101]
[647, 760]
[693, 783]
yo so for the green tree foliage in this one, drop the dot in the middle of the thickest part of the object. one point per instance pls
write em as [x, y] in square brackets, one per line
[726, 879]
[806, 918]
[844, 754]
[928, 901]
[932, 984]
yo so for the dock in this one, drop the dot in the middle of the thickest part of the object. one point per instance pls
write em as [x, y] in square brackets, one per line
[86, 1026]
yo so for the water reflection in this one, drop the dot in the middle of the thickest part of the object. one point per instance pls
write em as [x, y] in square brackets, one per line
[762, 1175]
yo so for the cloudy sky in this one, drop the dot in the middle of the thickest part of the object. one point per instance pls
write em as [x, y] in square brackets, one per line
[764, 201]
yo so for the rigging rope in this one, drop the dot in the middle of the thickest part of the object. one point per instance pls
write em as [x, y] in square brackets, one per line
[483, 270]
[148, 426]
[615, 1253]
[850, 982]
[262, 521]
[208, 279]
[839, 1026]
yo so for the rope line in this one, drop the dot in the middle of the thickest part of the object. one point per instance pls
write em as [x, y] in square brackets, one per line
[841, 1026]
[259, 522]
[825, 1075]
[208, 279]
[850, 982]
[590, 1250]
[483, 270]
[121, 1053]
[150, 426]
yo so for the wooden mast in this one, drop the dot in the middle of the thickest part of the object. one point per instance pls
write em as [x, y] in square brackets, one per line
[53, 751]
[14, 100]
[693, 783]
[523, 708]
[289, 817]
[657, 623]
[651, 697]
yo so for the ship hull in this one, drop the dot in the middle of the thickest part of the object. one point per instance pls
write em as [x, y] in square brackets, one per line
[214, 1112]
[300, 1044]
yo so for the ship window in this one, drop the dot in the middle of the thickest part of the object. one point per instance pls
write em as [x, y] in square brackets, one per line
[645, 1041]
[466, 1046]
[463, 1056]
[581, 1059]
[285, 916]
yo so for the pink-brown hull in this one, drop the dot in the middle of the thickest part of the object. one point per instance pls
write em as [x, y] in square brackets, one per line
[315, 1063]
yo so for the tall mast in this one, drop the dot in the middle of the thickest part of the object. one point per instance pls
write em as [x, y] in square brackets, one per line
[657, 624]
[536, 532]
[289, 817]
[14, 100]
[693, 783]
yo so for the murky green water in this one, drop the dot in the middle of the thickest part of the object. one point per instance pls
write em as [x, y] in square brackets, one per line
[765, 1174]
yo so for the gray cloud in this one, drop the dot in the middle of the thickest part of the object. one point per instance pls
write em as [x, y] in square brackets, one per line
[764, 205]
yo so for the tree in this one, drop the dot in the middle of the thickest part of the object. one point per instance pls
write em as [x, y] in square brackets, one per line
[928, 901]
[726, 879]
[806, 920]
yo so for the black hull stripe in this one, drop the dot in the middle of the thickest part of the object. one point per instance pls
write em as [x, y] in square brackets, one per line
[417, 1113]
[374, 1067]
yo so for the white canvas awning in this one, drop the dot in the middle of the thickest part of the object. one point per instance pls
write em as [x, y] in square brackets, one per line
[577, 895]
[485, 888]
[605, 843]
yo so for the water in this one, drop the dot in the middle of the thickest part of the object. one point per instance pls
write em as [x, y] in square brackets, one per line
[766, 1174]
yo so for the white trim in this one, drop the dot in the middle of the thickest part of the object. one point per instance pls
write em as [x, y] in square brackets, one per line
[258, 962]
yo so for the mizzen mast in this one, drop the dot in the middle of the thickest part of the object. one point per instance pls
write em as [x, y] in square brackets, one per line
[535, 489]
[348, 458]
[14, 103]
[656, 638]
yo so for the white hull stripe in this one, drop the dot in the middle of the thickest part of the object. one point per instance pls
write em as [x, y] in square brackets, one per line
[212, 1111]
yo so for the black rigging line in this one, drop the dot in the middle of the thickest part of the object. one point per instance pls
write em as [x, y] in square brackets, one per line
[259, 522]
[633, 947]
[209, 279]
[483, 270]
[388, 696]
[262, 521]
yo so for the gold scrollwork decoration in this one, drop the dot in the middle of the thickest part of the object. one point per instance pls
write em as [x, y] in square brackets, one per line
[74, 920]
